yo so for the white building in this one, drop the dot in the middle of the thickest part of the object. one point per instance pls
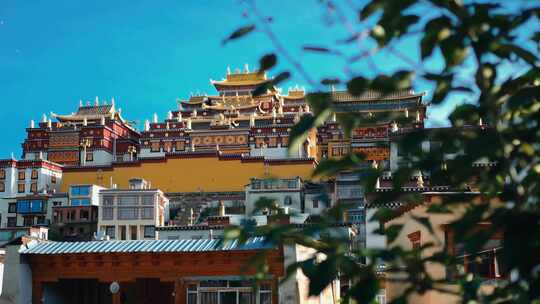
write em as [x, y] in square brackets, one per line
[132, 214]
[27, 191]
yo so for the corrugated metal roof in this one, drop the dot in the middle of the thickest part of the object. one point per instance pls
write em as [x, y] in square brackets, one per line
[201, 245]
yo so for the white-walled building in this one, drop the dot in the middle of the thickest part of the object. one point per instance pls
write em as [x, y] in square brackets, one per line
[132, 214]
[28, 189]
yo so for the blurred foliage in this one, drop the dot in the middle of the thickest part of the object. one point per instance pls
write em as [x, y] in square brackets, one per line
[479, 36]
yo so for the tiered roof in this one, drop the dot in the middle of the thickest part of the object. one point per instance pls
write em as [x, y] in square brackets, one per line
[92, 113]
[241, 79]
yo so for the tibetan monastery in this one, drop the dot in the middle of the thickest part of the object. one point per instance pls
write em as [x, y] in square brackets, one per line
[215, 143]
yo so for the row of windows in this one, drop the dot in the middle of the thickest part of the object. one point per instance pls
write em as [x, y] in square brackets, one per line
[22, 174]
[27, 221]
[129, 200]
[237, 292]
[30, 206]
[128, 213]
[80, 202]
[21, 187]
[148, 232]
[80, 190]
[274, 184]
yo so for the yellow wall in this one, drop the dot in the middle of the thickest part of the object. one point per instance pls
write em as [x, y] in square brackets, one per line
[188, 174]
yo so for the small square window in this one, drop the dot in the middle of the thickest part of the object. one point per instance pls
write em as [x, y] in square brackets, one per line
[21, 188]
[149, 231]
[22, 175]
[34, 174]
[33, 188]
[12, 208]
[11, 221]
[155, 146]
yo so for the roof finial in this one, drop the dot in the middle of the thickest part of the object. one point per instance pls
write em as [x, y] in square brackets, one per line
[146, 125]
[169, 115]
[228, 70]
[246, 68]
[44, 118]
[32, 124]
[420, 181]
[80, 103]
[252, 120]
[155, 118]
[97, 101]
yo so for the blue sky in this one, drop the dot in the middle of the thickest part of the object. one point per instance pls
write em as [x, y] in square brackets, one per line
[144, 53]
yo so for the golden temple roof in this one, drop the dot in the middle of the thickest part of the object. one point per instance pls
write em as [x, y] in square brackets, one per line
[242, 78]
[91, 113]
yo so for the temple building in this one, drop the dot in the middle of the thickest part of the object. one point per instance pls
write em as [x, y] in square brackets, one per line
[231, 122]
[95, 135]
[374, 136]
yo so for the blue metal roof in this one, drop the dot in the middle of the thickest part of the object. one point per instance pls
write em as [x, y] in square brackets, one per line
[201, 245]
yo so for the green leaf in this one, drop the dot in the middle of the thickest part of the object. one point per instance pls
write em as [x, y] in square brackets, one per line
[435, 31]
[263, 88]
[299, 132]
[330, 81]
[239, 33]
[318, 49]
[424, 221]
[503, 50]
[357, 85]
[369, 9]
[454, 50]
[330, 167]
[267, 62]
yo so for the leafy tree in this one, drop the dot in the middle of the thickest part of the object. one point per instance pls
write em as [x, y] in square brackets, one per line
[486, 51]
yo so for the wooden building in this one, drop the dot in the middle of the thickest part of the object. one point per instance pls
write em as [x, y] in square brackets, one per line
[151, 271]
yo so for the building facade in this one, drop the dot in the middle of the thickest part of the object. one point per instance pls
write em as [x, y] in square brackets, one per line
[95, 135]
[132, 213]
[77, 219]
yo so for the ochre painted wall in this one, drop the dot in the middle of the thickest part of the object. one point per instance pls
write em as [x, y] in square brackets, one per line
[188, 174]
